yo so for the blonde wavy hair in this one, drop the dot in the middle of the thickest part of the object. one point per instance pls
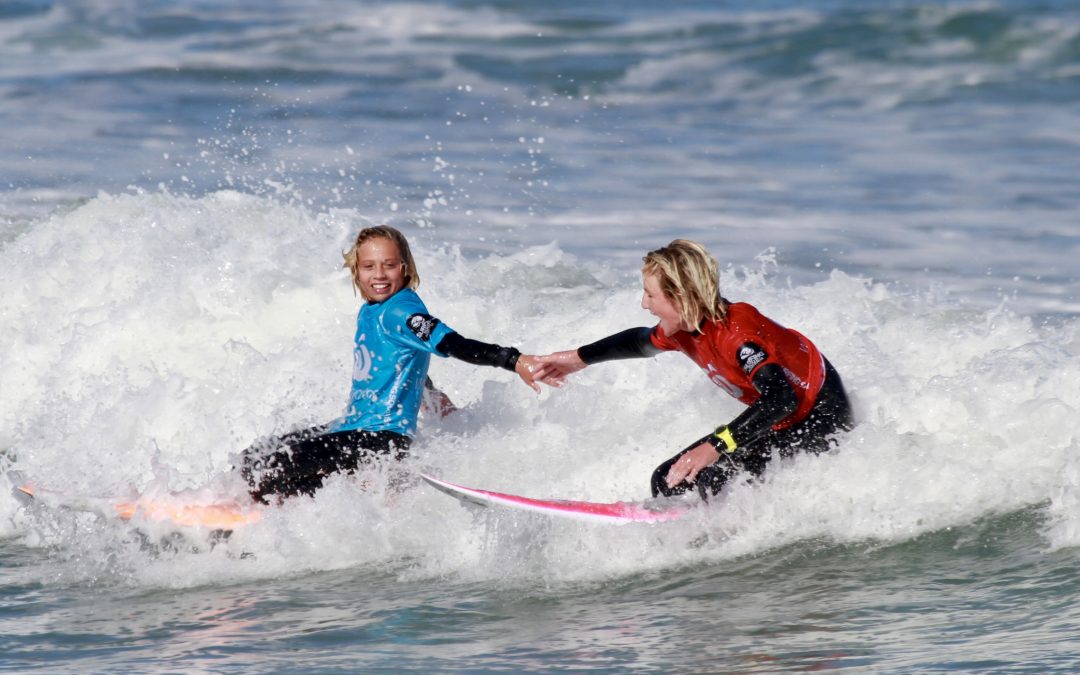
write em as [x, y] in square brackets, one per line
[352, 262]
[690, 277]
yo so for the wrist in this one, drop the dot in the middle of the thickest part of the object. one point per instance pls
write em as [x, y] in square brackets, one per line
[723, 441]
[508, 358]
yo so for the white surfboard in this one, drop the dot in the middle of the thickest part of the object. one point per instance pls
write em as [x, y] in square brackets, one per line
[599, 512]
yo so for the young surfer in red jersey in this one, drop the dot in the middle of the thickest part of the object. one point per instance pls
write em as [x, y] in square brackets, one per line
[795, 398]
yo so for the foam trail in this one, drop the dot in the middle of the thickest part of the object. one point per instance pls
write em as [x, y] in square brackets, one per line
[151, 336]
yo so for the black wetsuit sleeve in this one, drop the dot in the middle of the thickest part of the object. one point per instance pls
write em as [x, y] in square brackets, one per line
[633, 343]
[478, 353]
[777, 401]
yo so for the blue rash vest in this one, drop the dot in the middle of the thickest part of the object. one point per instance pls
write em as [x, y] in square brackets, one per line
[394, 342]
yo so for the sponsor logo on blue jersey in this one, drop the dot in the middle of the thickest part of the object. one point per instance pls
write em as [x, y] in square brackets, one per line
[422, 325]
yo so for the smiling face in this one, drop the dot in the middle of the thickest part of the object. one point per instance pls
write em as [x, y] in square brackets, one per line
[380, 271]
[660, 306]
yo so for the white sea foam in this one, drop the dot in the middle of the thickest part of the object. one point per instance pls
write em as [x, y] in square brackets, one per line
[147, 337]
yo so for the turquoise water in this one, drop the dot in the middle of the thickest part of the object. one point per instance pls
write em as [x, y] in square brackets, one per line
[895, 179]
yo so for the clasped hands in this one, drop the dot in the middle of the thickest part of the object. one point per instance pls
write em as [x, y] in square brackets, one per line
[551, 369]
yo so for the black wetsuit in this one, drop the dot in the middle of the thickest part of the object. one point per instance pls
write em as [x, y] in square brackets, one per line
[754, 428]
[831, 413]
[298, 462]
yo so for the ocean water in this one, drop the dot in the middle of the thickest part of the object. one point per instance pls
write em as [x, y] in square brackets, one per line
[896, 179]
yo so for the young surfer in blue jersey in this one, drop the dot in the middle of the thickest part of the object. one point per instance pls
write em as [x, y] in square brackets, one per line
[795, 398]
[395, 338]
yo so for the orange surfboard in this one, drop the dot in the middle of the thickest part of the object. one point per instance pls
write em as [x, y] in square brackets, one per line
[177, 511]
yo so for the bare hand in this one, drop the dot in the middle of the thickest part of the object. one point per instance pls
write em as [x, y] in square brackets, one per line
[434, 401]
[557, 366]
[686, 468]
[527, 369]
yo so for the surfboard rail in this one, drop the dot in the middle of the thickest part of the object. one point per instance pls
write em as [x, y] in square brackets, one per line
[605, 512]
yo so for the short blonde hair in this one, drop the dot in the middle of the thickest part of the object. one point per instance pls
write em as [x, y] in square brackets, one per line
[412, 275]
[690, 277]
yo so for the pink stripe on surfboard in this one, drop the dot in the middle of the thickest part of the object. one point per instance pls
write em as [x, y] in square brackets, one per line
[625, 512]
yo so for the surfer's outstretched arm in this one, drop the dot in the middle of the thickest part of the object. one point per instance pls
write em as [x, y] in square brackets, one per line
[485, 354]
[632, 343]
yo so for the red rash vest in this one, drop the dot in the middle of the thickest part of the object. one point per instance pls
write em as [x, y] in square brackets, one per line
[731, 350]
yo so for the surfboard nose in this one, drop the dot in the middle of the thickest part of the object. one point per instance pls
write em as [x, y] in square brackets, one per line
[21, 489]
[24, 495]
